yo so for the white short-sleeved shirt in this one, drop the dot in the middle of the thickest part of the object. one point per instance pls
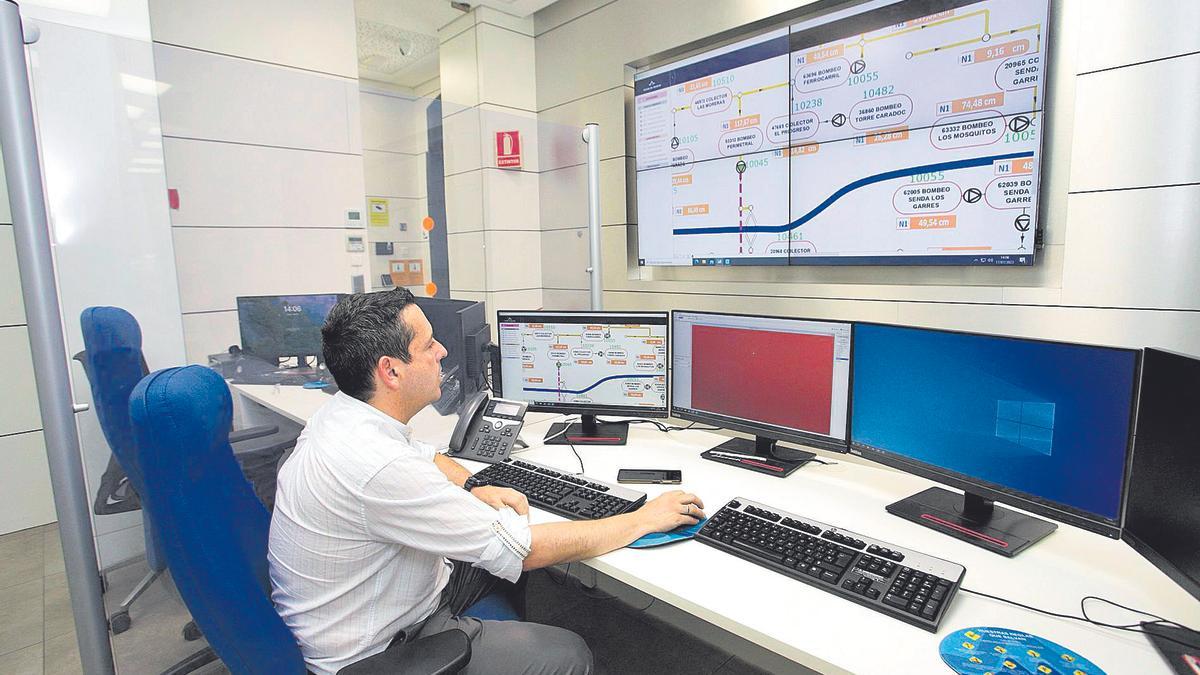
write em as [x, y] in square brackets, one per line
[363, 525]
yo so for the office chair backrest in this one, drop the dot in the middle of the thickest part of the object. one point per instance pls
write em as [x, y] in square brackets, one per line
[216, 543]
[113, 361]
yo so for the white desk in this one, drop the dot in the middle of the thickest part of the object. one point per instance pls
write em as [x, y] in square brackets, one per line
[818, 629]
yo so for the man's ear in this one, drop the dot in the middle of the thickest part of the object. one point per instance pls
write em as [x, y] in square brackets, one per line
[389, 372]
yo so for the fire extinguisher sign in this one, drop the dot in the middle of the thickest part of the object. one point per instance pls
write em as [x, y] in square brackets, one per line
[508, 149]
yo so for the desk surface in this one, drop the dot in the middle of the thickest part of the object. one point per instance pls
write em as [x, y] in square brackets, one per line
[818, 629]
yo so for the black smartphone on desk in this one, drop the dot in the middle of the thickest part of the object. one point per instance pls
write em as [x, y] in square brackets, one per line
[653, 476]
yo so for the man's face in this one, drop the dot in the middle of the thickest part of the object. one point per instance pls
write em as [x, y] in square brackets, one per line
[424, 372]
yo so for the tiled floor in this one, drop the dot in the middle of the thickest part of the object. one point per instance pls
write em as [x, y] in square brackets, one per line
[626, 634]
[37, 631]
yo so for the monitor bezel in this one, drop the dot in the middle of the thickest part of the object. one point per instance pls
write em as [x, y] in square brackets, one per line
[279, 355]
[1144, 548]
[588, 409]
[1032, 503]
[765, 430]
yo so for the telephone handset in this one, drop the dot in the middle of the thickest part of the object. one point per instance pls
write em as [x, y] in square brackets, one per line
[487, 428]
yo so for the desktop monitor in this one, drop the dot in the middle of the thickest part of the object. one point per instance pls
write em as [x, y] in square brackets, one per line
[1044, 426]
[780, 379]
[1162, 512]
[586, 363]
[281, 326]
[462, 328]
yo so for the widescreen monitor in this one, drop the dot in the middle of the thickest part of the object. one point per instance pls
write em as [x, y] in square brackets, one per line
[777, 378]
[281, 326]
[1044, 426]
[586, 363]
[1162, 513]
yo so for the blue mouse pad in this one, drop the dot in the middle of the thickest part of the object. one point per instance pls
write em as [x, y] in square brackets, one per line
[660, 538]
[987, 650]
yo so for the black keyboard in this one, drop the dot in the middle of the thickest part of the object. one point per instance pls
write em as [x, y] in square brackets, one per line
[902, 583]
[570, 496]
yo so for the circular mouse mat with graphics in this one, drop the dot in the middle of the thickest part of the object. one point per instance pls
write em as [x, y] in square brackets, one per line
[988, 650]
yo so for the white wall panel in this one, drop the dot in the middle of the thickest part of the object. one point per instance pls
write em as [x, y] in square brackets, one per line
[558, 299]
[212, 96]
[253, 186]
[508, 81]
[564, 195]
[393, 175]
[209, 333]
[1136, 126]
[401, 212]
[510, 200]
[488, 15]
[1134, 248]
[25, 483]
[563, 124]
[12, 307]
[320, 34]
[1121, 32]
[815, 308]
[121, 18]
[429, 89]
[459, 71]
[462, 142]
[464, 208]
[120, 546]
[217, 264]
[18, 397]
[513, 260]
[509, 300]
[467, 263]
[558, 13]
[392, 122]
[5, 211]
[565, 259]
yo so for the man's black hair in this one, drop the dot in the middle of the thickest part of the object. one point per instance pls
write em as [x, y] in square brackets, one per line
[359, 330]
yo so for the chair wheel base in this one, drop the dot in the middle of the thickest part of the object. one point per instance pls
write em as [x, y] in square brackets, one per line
[119, 622]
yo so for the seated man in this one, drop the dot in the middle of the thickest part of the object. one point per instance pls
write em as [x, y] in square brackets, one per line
[367, 520]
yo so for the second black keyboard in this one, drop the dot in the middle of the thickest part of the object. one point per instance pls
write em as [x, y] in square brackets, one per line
[902, 583]
[570, 496]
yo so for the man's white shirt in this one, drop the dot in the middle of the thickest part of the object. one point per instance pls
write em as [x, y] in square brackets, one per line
[363, 525]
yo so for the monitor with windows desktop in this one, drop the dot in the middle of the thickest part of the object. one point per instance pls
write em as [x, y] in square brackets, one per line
[275, 327]
[780, 379]
[585, 363]
[1043, 426]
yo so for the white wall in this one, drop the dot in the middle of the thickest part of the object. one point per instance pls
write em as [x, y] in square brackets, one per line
[395, 145]
[1121, 184]
[25, 479]
[263, 141]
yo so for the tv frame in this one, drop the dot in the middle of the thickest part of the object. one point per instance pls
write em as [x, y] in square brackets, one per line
[897, 11]
[1001, 493]
[508, 316]
[763, 429]
[319, 354]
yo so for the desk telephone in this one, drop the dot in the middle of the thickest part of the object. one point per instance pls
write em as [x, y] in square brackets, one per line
[487, 428]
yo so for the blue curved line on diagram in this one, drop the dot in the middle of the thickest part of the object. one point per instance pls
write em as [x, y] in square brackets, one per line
[590, 387]
[861, 182]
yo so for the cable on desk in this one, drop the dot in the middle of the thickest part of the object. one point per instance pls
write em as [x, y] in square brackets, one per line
[659, 425]
[1129, 628]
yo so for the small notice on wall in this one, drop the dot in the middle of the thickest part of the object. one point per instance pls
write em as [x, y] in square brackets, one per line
[410, 272]
[508, 149]
[379, 212]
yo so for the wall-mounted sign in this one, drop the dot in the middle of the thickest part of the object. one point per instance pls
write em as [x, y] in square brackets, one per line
[508, 149]
[409, 272]
[379, 212]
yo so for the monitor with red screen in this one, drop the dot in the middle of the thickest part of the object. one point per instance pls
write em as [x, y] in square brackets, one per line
[784, 379]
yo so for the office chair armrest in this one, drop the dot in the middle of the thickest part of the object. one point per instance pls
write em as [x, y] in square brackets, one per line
[252, 432]
[438, 654]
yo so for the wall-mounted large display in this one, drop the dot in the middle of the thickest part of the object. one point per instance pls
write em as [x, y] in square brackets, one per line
[888, 133]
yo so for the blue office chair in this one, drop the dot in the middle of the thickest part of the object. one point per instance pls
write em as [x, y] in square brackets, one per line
[217, 548]
[114, 363]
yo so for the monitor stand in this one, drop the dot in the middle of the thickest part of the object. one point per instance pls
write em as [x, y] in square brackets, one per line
[763, 455]
[587, 432]
[973, 519]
